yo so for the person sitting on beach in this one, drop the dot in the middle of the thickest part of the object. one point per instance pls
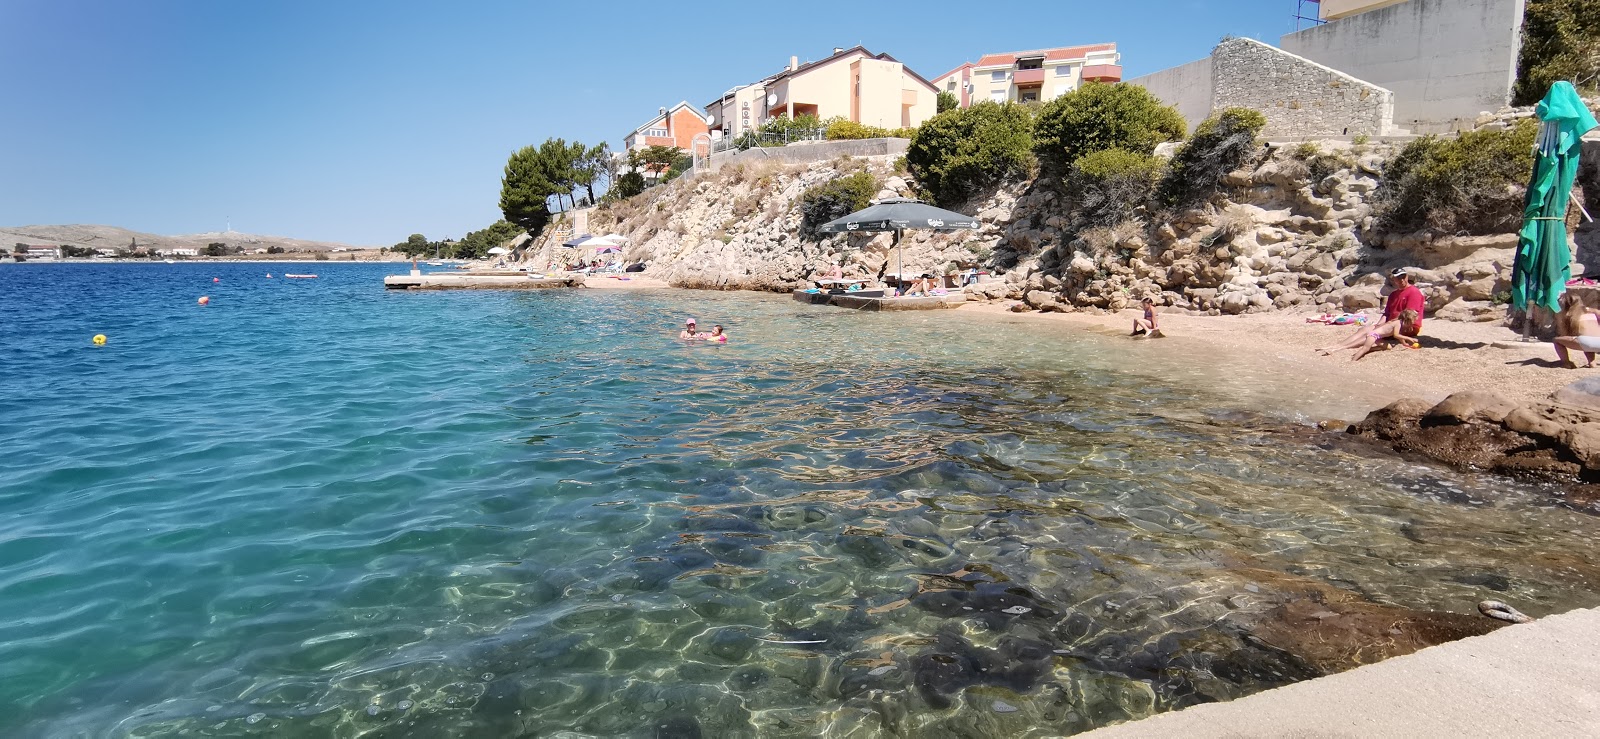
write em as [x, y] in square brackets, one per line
[716, 335]
[1404, 297]
[920, 286]
[1364, 340]
[689, 331]
[1579, 326]
[1147, 324]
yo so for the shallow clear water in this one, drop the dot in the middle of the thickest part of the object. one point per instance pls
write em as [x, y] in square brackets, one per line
[316, 508]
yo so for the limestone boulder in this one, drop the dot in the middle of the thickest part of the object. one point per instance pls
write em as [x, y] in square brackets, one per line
[1468, 407]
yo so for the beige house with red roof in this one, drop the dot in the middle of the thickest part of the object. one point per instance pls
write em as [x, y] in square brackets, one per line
[1031, 76]
[854, 84]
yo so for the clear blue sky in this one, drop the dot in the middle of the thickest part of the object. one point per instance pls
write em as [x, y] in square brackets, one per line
[364, 121]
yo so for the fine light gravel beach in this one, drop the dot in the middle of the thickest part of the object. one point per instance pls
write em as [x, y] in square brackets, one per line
[1455, 356]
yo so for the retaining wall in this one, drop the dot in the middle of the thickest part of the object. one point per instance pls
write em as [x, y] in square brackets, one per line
[1445, 60]
[1186, 87]
[1299, 97]
[810, 151]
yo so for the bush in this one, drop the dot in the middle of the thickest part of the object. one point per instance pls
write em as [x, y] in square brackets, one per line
[1109, 185]
[1221, 144]
[840, 129]
[959, 152]
[835, 198]
[1096, 117]
[946, 101]
[1473, 184]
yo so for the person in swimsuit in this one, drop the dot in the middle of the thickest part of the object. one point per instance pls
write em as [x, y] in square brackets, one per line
[1147, 324]
[716, 335]
[1579, 326]
[689, 331]
[1364, 340]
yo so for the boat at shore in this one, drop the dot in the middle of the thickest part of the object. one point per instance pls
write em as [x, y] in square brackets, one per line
[301, 277]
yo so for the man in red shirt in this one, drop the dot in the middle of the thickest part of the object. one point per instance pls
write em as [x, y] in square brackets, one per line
[1404, 296]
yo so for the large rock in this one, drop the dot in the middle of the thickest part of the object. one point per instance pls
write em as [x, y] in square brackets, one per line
[1041, 299]
[1470, 406]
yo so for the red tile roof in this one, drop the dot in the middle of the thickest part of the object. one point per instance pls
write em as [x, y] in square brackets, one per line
[1064, 52]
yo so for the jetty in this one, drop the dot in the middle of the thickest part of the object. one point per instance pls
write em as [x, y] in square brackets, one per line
[875, 300]
[480, 280]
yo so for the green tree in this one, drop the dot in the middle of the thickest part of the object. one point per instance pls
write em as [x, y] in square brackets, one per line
[592, 167]
[1474, 183]
[957, 153]
[658, 159]
[476, 244]
[1560, 41]
[1109, 185]
[946, 101]
[1096, 117]
[532, 176]
[626, 185]
[215, 249]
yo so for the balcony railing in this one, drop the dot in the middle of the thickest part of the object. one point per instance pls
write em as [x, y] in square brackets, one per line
[764, 139]
[1028, 77]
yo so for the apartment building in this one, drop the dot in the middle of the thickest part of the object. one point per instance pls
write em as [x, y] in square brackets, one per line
[1031, 76]
[676, 126]
[855, 84]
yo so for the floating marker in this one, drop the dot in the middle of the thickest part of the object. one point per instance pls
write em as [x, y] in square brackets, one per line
[204, 300]
[99, 339]
[216, 279]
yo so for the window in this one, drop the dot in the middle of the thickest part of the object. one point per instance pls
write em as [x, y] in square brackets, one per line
[950, 85]
[1034, 63]
[1064, 70]
[998, 96]
[997, 76]
[657, 132]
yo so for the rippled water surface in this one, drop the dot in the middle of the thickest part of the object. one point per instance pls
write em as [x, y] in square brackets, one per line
[314, 508]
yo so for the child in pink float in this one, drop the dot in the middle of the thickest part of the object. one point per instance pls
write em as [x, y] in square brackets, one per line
[716, 335]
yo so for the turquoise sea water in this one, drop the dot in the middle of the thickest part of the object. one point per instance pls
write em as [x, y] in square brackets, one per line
[316, 508]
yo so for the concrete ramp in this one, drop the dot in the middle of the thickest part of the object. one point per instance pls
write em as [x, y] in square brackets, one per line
[1540, 679]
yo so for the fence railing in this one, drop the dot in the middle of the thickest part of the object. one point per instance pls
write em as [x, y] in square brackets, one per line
[754, 139]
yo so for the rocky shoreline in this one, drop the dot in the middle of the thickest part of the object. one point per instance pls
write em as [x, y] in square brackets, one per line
[1556, 441]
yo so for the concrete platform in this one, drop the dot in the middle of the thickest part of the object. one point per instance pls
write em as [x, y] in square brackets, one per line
[855, 302]
[1539, 679]
[478, 281]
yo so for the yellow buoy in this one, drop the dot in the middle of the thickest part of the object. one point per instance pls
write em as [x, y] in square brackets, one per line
[99, 339]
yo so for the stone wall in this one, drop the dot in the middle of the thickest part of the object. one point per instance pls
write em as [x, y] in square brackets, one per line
[1301, 98]
[807, 152]
[1186, 87]
[1445, 60]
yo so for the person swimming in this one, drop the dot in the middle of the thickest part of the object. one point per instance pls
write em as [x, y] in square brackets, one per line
[716, 335]
[690, 332]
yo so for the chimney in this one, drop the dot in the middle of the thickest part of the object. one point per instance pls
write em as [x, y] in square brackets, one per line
[794, 63]
[838, 49]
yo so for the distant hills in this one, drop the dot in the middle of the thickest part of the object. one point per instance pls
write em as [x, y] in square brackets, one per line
[112, 237]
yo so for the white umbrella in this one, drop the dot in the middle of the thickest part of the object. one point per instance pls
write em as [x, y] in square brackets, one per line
[498, 251]
[604, 241]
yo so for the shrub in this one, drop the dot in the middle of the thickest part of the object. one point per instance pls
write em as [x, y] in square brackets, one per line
[835, 198]
[1230, 225]
[841, 128]
[960, 152]
[946, 101]
[1109, 185]
[1473, 184]
[1360, 139]
[1096, 117]
[1221, 144]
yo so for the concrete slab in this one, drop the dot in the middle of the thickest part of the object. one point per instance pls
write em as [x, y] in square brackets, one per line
[856, 302]
[478, 281]
[1539, 679]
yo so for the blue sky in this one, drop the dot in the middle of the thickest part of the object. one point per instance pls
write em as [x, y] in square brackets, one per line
[364, 121]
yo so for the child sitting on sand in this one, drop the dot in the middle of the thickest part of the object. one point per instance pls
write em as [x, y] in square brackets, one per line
[1147, 324]
[1364, 340]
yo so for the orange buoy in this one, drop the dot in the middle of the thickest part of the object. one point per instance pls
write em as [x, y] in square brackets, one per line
[204, 300]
